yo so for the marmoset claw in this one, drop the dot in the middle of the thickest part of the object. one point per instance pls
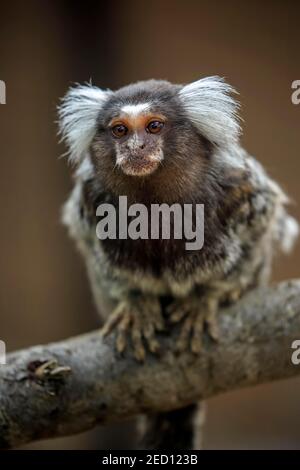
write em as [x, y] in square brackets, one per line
[196, 314]
[139, 322]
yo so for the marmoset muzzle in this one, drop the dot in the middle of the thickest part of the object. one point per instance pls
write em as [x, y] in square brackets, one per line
[141, 160]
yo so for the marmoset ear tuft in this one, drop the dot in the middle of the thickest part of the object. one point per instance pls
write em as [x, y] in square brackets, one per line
[212, 109]
[78, 115]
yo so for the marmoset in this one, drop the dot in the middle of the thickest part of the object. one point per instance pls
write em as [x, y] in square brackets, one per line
[157, 142]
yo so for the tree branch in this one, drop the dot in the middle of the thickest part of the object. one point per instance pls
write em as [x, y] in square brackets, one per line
[68, 387]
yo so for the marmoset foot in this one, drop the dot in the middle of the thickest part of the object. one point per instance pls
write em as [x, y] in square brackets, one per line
[196, 314]
[136, 319]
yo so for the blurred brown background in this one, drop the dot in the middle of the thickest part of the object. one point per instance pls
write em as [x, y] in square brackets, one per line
[44, 47]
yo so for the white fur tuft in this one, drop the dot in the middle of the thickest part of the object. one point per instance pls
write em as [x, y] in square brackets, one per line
[212, 109]
[78, 118]
[290, 231]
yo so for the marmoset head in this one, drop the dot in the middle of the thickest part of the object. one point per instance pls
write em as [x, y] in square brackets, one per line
[149, 127]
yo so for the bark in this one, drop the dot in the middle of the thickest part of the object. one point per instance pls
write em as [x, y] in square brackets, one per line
[68, 387]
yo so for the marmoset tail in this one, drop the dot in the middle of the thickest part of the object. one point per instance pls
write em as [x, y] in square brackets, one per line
[158, 143]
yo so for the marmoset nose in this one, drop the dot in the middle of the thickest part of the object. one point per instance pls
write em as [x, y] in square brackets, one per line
[139, 141]
[137, 148]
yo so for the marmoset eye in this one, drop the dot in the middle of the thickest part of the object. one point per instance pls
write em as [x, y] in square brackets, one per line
[119, 130]
[154, 127]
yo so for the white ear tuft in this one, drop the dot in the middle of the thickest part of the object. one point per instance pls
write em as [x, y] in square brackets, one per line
[78, 118]
[212, 109]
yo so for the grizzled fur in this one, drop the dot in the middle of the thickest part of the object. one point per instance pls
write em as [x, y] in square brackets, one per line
[203, 163]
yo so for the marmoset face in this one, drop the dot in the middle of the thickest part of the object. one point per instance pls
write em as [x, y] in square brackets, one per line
[139, 126]
[137, 135]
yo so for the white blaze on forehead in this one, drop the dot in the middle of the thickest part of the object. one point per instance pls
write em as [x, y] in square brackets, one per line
[135, 109]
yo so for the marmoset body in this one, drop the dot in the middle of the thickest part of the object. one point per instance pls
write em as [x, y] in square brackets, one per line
[156, 142]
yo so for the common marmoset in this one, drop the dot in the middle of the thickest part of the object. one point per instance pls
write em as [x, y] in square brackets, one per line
[157, 142]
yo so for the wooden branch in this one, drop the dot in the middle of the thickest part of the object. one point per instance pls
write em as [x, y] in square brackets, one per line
[68, 387]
